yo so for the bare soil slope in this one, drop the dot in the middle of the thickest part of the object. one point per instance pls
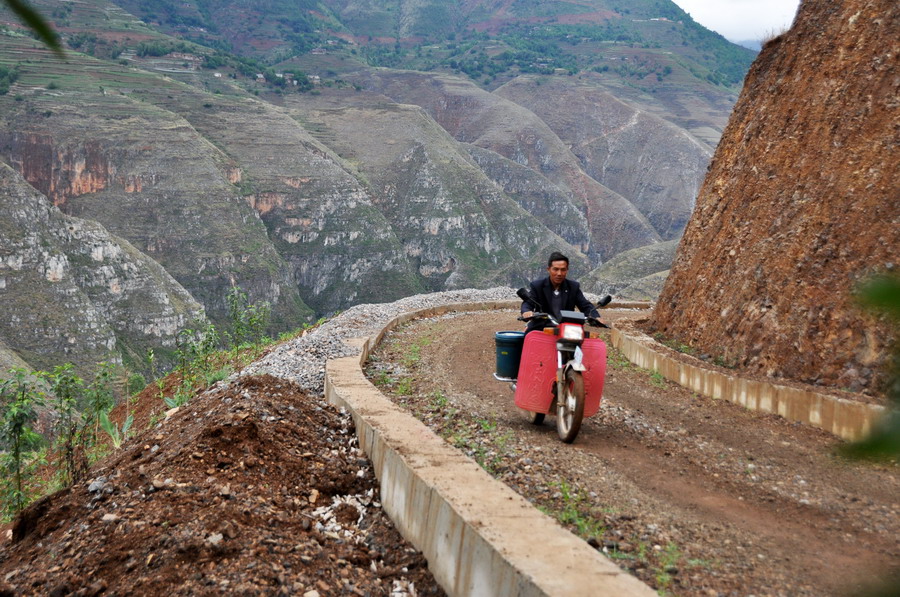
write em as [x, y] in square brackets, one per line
[800, 204]
[250, 489]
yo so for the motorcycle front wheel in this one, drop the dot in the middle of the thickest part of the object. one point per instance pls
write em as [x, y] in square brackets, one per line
[570, 407]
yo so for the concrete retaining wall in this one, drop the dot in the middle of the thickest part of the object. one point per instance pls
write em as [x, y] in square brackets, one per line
[479, 536]
[845, 418]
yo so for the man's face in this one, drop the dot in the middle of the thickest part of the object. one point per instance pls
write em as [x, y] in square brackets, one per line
[558, 271]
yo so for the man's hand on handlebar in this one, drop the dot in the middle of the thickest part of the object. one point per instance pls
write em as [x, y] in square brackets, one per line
[527, 314]
[594, 321]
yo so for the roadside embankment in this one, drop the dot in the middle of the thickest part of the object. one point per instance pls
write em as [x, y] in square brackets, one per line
[480, 537]
[845, 418]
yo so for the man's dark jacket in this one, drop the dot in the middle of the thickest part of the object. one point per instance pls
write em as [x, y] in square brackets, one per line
[570, 290]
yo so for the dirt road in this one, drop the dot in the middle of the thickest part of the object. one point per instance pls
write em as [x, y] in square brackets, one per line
[695, 496]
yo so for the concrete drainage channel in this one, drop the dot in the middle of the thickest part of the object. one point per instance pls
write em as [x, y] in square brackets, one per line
[479, 536]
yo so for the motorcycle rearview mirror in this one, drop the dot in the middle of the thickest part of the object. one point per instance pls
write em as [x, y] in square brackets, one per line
[604, 301]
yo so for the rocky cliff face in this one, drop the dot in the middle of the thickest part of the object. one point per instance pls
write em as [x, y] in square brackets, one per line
[800, 205]
[546, 201]
[653, 163]
[70, 291]
[637, 274]
[338, 247]
[491, 122]
[458, 229]
[148, 176]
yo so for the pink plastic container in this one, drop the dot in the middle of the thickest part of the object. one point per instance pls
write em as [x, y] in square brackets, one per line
[537, 373]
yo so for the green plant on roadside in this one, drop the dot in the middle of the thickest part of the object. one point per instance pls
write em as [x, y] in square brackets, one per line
[486, 424]
[98, 398]
[154, 420]
[218, 375]
[136, 382]
[615, 554]
[116, 434]
[491, 456]
[642, 552]
[674, 344]
[438, 400]
[668, 562]
[404, 386]
[724, 362]
[576, 511]
[382, 379]
[618, 361]
[414, 351]
[21, 399]
[181, 397]
[657, 379]
[481, 455]
[185, 350]
[413, 355]
[248, 320]
[206, 345]
[67, 389]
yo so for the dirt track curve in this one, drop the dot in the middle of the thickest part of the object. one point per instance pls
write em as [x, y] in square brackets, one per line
[695, 496]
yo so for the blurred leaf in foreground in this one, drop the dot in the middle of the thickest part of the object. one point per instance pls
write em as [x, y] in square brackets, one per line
[882, 294]
[36, 23]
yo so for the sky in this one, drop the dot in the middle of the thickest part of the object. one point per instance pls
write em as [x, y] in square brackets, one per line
[740, 20]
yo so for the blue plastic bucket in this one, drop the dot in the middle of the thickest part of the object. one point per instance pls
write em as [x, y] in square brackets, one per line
[509, 353]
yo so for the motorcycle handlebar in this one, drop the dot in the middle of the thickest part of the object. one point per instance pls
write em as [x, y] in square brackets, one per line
[537, 315]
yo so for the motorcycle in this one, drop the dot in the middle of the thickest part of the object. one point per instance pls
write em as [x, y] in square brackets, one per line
[561, 369]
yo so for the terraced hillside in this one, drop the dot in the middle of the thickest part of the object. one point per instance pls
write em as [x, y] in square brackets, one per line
[270, 150]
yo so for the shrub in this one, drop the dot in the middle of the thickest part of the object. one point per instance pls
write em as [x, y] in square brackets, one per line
[68, 390]
[136, 383]
[248, 320]
[21, 398]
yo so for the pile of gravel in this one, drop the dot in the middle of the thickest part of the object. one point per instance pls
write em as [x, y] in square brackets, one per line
[303, 359]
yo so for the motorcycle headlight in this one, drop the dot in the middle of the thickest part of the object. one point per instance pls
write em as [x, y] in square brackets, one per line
[572, 332]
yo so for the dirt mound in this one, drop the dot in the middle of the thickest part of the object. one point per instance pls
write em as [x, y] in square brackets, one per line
[799, 206]
[251, 488]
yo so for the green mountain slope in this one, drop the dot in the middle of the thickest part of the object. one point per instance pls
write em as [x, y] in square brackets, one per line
[263, 144]
[480, 38]
[457, 228]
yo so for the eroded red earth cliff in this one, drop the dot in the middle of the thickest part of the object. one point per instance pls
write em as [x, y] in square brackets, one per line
[801, 203]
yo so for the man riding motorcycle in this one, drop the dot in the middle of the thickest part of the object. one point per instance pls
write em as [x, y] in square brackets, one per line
[556, 293]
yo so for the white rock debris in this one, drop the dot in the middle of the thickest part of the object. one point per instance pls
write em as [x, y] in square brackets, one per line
[303, 359]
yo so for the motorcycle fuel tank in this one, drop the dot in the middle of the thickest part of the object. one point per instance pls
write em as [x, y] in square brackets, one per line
[537, 373]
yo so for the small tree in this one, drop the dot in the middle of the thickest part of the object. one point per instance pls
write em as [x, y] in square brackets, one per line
[248, 321]
[21, 399]
[98, 399]
[68, 390]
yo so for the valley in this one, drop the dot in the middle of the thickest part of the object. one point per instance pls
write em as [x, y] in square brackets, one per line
[316, 180]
